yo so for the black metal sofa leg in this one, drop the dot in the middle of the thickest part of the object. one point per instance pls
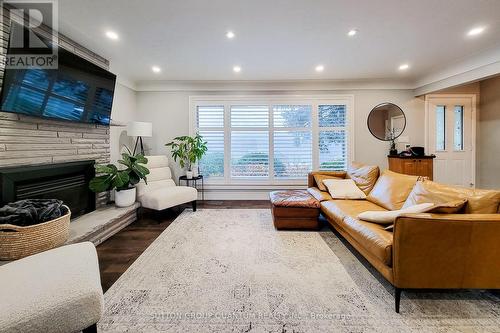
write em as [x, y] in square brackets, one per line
[90, 329]
[397, 298]
[194, 205]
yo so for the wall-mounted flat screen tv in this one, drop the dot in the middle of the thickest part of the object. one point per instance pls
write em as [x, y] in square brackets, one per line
[77, 90]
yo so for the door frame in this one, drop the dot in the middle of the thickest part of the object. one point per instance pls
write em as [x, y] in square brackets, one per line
[474, 115]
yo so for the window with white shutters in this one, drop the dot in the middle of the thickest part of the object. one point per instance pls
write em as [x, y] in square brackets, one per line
[332, 139]
[292, 141]
[250, 141]
[272, 140]
[210, 125]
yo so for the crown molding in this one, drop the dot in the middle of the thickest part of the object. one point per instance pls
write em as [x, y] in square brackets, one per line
[285, 85]
[474, 69]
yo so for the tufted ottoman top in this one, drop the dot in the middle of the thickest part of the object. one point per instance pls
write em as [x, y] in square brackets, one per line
[293, 198]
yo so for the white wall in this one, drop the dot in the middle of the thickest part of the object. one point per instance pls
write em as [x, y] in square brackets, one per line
[169, 113]
[124, 110]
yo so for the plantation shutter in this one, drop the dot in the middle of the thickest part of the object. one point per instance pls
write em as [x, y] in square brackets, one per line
[210, 124]
[332, 137]
[292, 141]
[250, 141]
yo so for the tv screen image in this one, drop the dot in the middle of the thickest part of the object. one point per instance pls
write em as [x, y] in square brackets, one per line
[77, 90]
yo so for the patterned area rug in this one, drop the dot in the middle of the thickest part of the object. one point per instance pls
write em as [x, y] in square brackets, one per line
[230, 271]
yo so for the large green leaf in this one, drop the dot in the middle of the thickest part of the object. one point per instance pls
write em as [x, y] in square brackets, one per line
[109, 169]
[121, 179]
[101, 183]
[134, 178]
[142, 171]
[141, 159]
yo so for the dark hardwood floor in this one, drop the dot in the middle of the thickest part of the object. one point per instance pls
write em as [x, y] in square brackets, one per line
[119, 252]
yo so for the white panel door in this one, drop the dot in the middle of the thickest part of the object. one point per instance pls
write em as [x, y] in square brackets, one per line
[451, 137]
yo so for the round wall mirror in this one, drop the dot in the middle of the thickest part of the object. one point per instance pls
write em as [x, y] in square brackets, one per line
[386, 121]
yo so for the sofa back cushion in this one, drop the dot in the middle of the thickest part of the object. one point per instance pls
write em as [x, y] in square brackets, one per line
[392, 190]
[478, 201]
[365, 176]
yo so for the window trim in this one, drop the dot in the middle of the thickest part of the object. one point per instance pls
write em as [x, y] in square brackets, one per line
[313, 100]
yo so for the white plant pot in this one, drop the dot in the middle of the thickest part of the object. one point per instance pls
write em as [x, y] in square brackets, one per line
[195, 172]
[125, 198]
[189, 174]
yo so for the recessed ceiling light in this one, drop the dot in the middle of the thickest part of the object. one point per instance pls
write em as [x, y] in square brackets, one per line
[156, 69]
[352, 32]
[236, 69]
[475, 31]
[230, 35]
[112, 35]
[320, 68]
[404, 67]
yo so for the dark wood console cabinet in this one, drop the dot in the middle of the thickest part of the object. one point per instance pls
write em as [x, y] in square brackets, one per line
[415, 166]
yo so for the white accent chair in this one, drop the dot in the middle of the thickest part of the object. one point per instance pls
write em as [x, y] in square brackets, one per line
[53, 291]
[161, 192]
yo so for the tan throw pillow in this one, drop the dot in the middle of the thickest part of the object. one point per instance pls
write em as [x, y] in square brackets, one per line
[344, 189]
[478, 201]
[365, 176]
[319, 178]
[392, 190]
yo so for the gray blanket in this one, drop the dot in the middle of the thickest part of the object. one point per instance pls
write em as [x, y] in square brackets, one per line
[31, 211]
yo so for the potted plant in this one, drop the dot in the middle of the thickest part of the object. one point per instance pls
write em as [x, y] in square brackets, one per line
[123, 181]
[188, 150]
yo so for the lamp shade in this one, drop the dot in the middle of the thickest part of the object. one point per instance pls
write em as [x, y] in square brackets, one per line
[140, 128]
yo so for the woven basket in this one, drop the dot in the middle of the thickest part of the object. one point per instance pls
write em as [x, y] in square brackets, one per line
[18, 242]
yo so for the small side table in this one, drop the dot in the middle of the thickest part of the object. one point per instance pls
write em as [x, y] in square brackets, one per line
[194, 182]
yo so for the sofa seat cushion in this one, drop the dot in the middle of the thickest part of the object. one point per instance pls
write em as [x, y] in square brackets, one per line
[369, 235]
[373, 237]
[478, 201]
[339, 209]
[166, 197]
[392, 190]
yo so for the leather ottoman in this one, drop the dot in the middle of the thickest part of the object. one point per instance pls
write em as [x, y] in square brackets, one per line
[294, 209]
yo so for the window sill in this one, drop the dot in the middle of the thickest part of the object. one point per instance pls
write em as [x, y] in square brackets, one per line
[254, 187]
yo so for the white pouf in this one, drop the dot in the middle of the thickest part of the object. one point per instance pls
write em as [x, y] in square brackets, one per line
[53, 291]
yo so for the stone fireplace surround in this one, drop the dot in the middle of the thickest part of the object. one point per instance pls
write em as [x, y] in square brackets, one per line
[30, 141]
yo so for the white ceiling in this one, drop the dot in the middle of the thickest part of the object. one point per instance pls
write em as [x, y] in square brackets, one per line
[282, 39]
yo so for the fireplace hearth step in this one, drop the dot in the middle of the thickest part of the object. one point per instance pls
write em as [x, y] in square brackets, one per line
[101, 224]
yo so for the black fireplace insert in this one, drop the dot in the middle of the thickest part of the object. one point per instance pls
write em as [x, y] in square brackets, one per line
[68, 182]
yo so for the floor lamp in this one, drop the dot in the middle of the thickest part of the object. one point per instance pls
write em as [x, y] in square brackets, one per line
[139, 129]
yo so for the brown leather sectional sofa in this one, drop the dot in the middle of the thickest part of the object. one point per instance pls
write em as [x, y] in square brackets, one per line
[424, 251]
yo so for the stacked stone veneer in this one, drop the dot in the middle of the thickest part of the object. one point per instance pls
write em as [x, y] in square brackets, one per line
[28, 140]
